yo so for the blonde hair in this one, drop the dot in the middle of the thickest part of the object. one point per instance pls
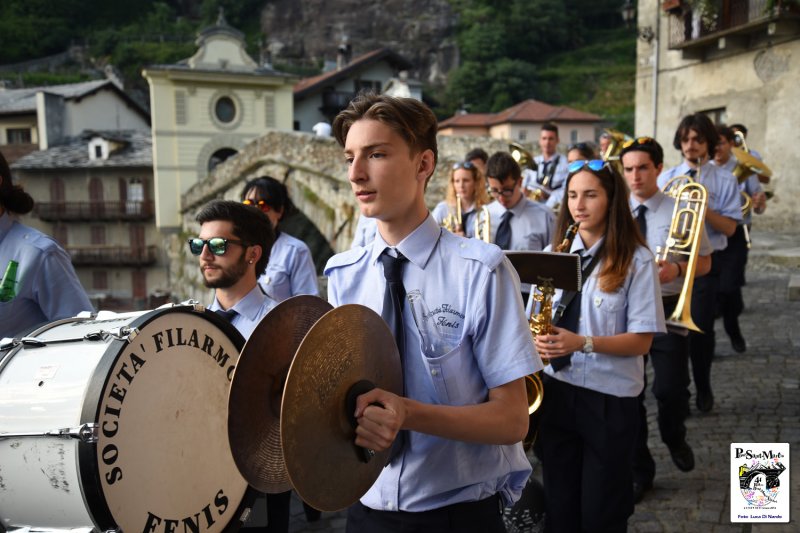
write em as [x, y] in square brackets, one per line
[481, 195]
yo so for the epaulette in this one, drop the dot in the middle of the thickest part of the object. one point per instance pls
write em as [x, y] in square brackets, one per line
[477, 250]
[346, 258]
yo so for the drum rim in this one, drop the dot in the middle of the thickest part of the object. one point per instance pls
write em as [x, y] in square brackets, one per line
[88, 470]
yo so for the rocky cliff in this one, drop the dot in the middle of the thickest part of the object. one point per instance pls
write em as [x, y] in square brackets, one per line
[309, 31]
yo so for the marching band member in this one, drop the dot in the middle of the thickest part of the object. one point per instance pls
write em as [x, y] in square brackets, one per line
[466, 185]
[290, 270]
[458, 458]
[732, 280]
[39, 283]
[696, 138]
[642, 162]
[575, 152]
[552, 166]
[589, 420]
[478, 157]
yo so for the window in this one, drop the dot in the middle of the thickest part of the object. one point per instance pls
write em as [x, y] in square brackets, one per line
[573, 136]
[225, 110]
[98, 151]
[219, 156]
[99, 280]
[19, 135]
[522, 135]
[98, 234]
[717, 116]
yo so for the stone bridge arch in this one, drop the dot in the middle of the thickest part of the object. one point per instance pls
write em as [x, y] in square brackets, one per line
[314, 170]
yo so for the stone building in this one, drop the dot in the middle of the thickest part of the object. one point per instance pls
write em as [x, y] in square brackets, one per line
[94, 194]
[738, 62]
[207, 108]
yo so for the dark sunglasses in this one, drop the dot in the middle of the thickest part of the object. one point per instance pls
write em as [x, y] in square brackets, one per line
[469, 165]
[595, 165]
[640, 140]
[261, 204]
[216, 245]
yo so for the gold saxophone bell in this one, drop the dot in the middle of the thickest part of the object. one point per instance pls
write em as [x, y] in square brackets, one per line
[612, 153]
[685, 232]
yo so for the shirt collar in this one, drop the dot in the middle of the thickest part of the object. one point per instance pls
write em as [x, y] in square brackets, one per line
[249, 306]
[578, 246]
[652, 203]
[417, 246]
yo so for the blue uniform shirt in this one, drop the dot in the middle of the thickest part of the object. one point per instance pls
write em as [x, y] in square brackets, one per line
[723, 196]
[290, 270]
[634, 308]
[250, 310]
[365, 231]
[443, 209]
[659, 220]
[46, 287]
[472, 291]
[559, 175]
[531, 226]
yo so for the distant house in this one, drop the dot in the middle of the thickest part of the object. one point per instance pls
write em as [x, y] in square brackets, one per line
[94, 194]
[207, 108]
[523, 122]
[35, 118]
[320, 98]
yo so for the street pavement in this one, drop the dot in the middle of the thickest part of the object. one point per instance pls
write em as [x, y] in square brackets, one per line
[757, 399]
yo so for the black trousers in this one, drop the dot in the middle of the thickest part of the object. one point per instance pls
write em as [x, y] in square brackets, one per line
[729, 297]
[278, 512]
[587, 441]
[483, 516]
[669, 355]
[702, 345]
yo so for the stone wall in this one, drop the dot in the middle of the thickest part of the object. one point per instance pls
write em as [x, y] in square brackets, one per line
[315, 172]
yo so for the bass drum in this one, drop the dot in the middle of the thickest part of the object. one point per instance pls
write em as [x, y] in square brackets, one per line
[119, 422]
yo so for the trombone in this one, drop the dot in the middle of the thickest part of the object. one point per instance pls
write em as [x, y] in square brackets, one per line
[685, 232]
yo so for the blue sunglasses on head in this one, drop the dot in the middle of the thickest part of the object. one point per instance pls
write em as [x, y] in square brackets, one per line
[595, 165]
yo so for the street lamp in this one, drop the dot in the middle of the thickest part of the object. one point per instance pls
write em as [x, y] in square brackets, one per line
[628, 12]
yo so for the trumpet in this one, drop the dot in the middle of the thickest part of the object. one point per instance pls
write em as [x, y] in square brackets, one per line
[685, 232]
[483, 225]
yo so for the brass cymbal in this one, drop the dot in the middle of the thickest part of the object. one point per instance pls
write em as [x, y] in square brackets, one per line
[752, 163]
[254, 399]
[346, 347]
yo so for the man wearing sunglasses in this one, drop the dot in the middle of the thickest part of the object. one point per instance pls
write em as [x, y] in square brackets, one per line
[697, 138]
[233, 250]
[642, 162]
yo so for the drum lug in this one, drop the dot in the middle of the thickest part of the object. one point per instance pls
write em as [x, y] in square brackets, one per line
[86, 433]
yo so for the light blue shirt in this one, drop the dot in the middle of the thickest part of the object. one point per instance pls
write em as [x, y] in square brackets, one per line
[290, 270]
[723, 196]
[660, 208]
[365, 231]
[749, 186]
[634, 308]
[249, 310]
[472, 291]
[559, 176]
[443, 209]
[46, 287]
[531, 226]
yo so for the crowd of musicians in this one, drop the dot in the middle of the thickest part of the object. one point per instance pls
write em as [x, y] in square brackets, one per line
[455, 434]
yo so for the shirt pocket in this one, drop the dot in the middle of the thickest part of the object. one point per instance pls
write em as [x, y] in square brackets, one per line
[456, 377]
[277, 283]
[611, 309]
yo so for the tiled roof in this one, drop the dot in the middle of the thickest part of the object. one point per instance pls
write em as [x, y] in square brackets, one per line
[74, 153]
[527, 111]
[308, 85]
[24, 100]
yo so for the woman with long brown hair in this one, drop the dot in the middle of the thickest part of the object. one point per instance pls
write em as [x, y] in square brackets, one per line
[589, 420]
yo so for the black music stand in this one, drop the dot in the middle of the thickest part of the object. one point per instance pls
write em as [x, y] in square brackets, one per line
[561, 271]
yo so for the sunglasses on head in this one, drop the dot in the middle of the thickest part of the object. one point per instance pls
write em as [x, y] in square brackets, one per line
[261, 204]
[595, 165]
[216, 245]
[469, 165]
[640, 140]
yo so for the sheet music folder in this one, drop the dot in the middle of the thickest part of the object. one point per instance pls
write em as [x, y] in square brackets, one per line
[563, 271]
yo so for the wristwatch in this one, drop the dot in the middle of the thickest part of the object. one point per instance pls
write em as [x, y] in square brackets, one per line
[588, 344]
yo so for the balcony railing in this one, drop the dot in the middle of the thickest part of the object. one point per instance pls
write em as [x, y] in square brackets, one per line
[91, 211]
[696, 23]
[100, 255]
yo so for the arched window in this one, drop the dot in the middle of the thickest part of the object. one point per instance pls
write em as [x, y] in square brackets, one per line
[219, 156]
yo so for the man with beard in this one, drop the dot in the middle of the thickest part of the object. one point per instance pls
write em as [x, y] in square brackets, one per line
[233, 247]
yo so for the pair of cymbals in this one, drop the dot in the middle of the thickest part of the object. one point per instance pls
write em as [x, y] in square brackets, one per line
[289, 414]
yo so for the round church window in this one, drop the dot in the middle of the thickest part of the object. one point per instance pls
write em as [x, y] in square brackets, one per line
[225, 110]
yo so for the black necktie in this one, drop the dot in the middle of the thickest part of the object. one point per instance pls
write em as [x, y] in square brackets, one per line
[227, 315]
[692, 173]
[569, 320]
[640, 218]
[503, 236]
[393, 300]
